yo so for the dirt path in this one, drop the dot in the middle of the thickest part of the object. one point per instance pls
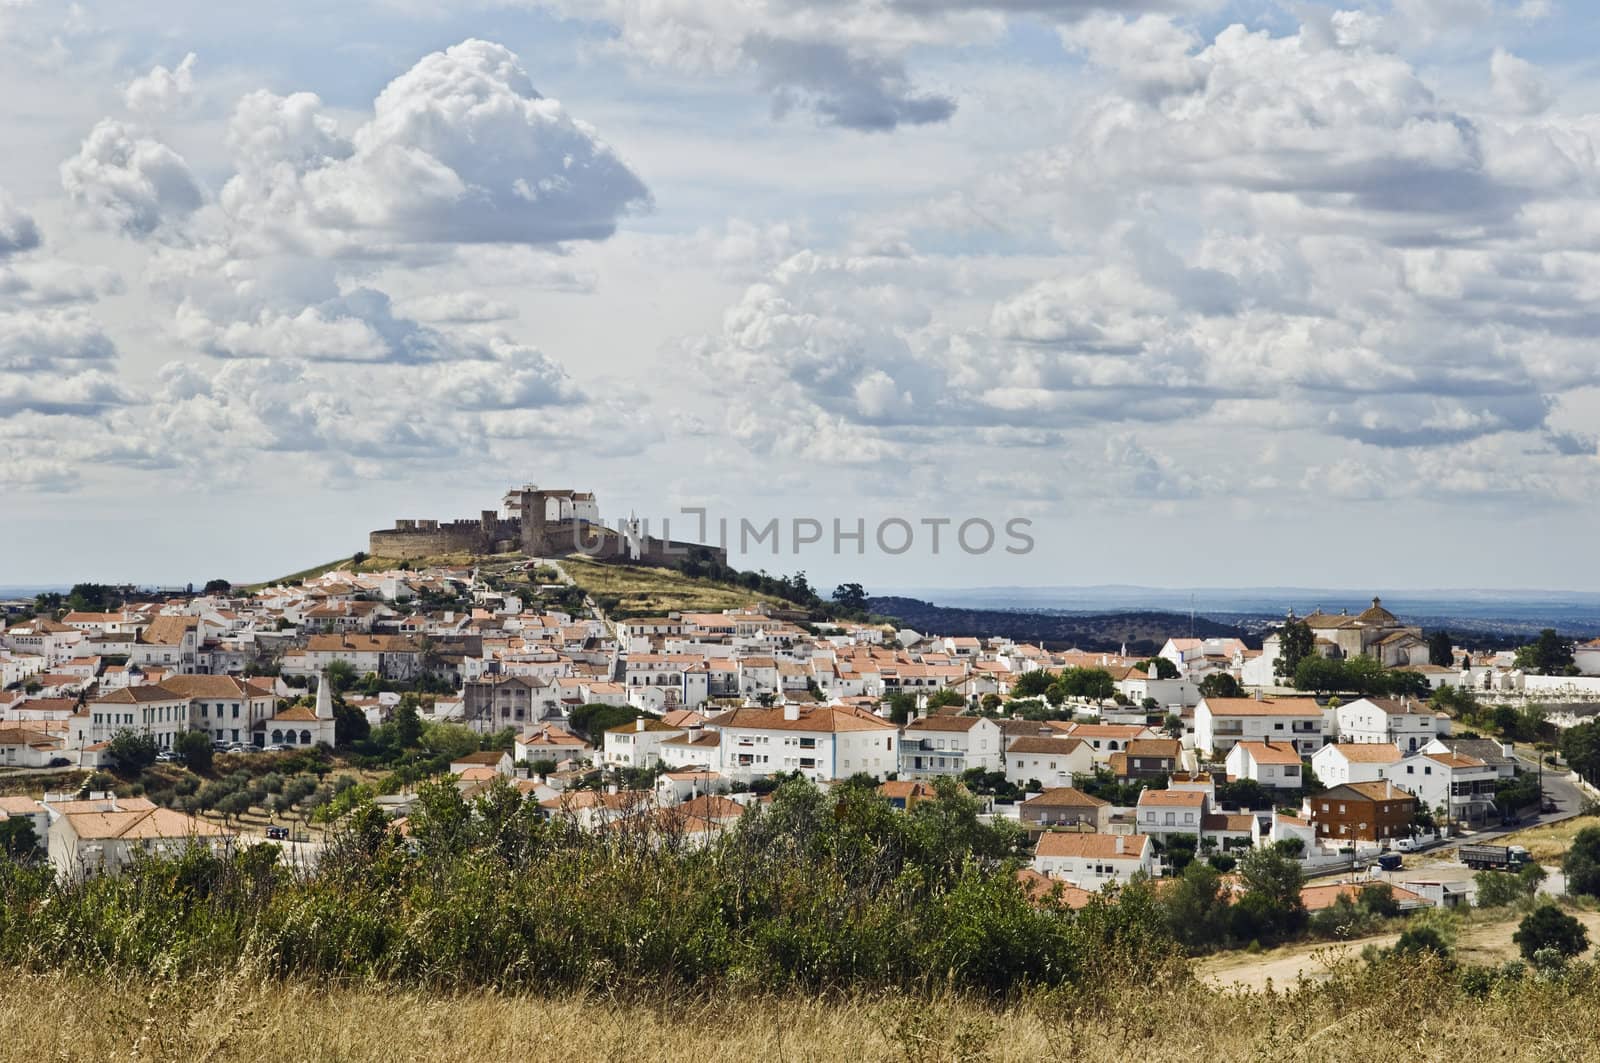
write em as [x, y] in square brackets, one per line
[1480, 943]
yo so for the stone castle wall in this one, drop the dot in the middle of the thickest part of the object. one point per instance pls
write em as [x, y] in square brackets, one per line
[410, 539]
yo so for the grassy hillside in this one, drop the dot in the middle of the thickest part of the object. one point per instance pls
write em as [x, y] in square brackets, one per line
[385, 564]
[1387, 1013]
[643, 591]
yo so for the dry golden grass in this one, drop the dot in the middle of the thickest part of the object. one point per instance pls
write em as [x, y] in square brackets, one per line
[1398, 1016]
[1481, 936]
[657, 590]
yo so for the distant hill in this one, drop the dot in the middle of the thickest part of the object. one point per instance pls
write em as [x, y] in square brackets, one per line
[1143, 631]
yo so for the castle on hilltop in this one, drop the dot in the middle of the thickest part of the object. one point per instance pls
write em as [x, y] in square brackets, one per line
[539, 522]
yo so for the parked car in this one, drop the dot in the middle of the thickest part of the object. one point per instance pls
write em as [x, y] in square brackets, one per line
[59, 762]
[1390, 861]
[276, 749]
[166, 756]
[280, 834]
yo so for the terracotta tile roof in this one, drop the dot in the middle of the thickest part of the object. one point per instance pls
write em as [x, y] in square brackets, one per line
[142, 824]
[1270, 752]
[1263, 707]
[1172, 798]
[1058, 747]
[1091, 846]
[296, 714]
[1456, 760]
[1040, 887]
[1064, 797]
[1367, 752]
[1317, 897]
[823, 719]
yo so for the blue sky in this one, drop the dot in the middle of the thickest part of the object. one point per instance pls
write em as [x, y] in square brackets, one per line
[1211, 293]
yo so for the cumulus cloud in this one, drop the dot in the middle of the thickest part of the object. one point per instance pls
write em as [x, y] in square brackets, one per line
[50, 340]
[460, 149]
[161, 90]
[861, 92]
[1150, 54]
[17, 229]
[1272, 236]
[128, 181]
[1517, 84]
[346, 421]
[458, 308]
[843, 61]
[80, 394]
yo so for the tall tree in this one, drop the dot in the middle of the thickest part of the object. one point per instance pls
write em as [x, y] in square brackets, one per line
[850, 596]
[194, 749]
[1580, 747]
[1219, 685]
[1549, 654]
[1160, 668]
[1295, 644]
[130, 753]
[1441, 650]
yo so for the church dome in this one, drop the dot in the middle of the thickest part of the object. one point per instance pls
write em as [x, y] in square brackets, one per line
[1377, 614]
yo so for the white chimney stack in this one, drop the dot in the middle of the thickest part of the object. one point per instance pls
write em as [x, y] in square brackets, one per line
[638, 725]
[791, 711]
[1122, 845]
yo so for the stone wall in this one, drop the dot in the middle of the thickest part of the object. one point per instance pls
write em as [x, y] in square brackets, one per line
[412, 539]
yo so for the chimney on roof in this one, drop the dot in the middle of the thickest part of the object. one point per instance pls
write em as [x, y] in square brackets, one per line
[638, 725]
[791, 711]
[1122, 845]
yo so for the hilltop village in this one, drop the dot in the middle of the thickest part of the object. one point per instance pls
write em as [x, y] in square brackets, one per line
[1116, 769]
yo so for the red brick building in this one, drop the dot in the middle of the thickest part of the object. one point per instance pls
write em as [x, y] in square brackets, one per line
[1363, 812]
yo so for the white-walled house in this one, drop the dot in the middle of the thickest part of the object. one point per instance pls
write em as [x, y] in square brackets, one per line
[1105, 739]
[1406, 723]
[21, 747]
[1164, 812]
[1052, 762]
[636, 744]
[823, 742]
[1272, 764]
[1090, 861]
[949, 745]
[151, 710]
[88, 841]
[1467, 783]
[1221, 723]
[1345, 762]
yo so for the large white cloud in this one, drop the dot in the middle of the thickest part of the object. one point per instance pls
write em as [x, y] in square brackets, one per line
[162, 89]
[1260, 236]
[842, 60]
[129, 181]
[55, 357]
[459, 149]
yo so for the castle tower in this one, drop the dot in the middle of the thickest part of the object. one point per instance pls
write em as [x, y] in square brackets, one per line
[324, 697]
[535, 524]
